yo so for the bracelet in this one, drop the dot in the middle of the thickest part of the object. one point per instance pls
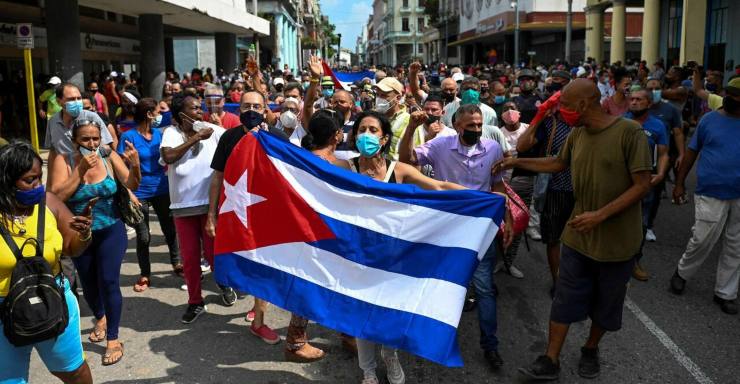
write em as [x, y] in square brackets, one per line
[86, 238]
[314, 80]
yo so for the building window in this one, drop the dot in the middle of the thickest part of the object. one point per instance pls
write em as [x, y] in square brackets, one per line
[126, 19]
[717, 34]
[420, 24]
[405, 24]
[675, 17]
[420, 47]
[405, 4]
[91, 12]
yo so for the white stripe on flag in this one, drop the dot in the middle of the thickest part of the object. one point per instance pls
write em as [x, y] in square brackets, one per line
[414, 223]
[433, 298]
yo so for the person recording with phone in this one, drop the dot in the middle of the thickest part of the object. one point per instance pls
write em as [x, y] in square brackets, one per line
[89, 175]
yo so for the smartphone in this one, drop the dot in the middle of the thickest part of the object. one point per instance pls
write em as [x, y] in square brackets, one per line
[90, 204]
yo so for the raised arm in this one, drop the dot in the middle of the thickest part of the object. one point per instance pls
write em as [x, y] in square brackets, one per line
[131, 175]
[416, 91]
[697, 85]
[316, 69]
[406, 151]
[64, 182]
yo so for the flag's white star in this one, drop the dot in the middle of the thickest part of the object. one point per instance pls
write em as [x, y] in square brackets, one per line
[238, 199]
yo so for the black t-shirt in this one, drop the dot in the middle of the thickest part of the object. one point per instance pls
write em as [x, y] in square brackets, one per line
[527, 105]
[229, 140]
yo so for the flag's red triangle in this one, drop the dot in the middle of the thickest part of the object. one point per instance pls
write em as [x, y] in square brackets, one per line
[283, 217]
[329, 72]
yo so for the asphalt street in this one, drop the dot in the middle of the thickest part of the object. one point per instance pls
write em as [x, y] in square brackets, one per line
[665, 338]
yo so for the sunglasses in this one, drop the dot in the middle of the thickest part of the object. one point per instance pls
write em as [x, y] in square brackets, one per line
[82, 123]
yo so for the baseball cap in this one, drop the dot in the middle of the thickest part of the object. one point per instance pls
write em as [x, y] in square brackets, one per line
[55, 80]
[526, 72]
[733, 86]
[390, 84]
[559, 73]
[326, 80]
[458, 77]
[278, 80]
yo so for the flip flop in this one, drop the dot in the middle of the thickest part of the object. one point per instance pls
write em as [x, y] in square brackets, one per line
[98, 334]
[142, 284]
[109, 353]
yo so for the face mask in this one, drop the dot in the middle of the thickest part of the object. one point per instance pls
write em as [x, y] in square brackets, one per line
[432, 119]
[483, 89]
[200, 125]
[31, 197]
[511, 117]
[527, 86]
[657, 95]
[570, 116]
[471, 138]
[448, 97]
[368, 144]
[288, 119]
[305, 85]
[157, 121]
[166, 119]
[279, 87]
[84, 151]
[710, 87]
[554, 87]
[639, 113]
[470, 96]
[730, 105]
[382, 105]
[74, 107]
[327, 93]
[499, 99]
[251, 119]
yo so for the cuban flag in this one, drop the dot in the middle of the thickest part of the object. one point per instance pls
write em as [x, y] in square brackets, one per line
[343, 80]
[383, 262]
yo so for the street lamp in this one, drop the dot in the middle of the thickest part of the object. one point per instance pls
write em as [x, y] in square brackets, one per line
[339, 47]
[515, 5]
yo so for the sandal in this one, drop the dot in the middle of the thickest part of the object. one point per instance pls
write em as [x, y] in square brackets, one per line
[97, 335]
[142, 284]
[111, 357]
[178, 270]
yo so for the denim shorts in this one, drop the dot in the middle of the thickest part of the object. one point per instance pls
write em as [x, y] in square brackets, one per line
[590, 288]
[61, 354]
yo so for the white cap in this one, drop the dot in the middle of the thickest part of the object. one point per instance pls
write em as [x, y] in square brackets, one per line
[581, 71]
[278, 80]
[458, 77]
[114, 74]
[55, 80]
[131, 97]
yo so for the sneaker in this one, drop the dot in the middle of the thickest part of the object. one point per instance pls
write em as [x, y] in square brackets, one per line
[499, 267]
[588, 365]
[728, 306]
[266, 334]
[204, 266]
[533, 233]
[393, 366]
[249, 317]
[639, 273]
[515, 272]
[650, 236]
[228, 296]
[184, 287]
[678, 283]
[193, 312]
[542, 369]
[493, 359]
[307, 353]
[370, 380]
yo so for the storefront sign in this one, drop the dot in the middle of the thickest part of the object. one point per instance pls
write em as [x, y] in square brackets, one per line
[90, 42]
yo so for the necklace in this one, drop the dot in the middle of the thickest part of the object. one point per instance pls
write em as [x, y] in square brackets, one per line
[20, 222]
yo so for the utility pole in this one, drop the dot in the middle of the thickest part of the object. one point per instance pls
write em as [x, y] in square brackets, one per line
[515, 5]
[568, 30]
[339, 47]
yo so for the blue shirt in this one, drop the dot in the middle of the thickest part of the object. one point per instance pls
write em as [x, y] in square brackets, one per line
[656, 134]
[717, 140]
[153, 177]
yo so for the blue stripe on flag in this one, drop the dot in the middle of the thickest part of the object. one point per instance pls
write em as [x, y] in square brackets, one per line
[351, 77]
[391, 254]
[417, 334]
[465, 202]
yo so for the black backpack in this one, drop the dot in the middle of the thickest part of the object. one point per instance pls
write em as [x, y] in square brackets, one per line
[35, 308]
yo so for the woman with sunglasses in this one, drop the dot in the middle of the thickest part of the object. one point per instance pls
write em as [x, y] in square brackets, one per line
[79, 177]
[154, 189]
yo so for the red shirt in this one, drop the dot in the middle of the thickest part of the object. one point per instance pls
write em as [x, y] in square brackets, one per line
[228, 121]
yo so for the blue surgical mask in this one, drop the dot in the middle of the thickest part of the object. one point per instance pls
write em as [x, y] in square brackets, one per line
[84, 151]
[368, 144]
[73, 107]
[31, 197]
[657, 95]
[166, 119]
[157, 121]
[499, 99]
[327, 92]
[470, 96]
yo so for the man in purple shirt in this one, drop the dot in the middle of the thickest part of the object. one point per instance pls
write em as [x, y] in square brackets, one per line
[466, 159]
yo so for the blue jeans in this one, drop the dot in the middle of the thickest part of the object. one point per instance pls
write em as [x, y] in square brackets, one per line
[485, 294]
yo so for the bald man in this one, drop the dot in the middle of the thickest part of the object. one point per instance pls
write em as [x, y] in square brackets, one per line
[610, 166]
[449, 90]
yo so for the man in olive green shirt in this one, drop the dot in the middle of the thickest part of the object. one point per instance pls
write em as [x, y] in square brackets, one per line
[610, 166]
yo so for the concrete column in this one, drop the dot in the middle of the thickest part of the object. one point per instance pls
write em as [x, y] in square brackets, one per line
[151, 36]
[619, 24]
[278, 38]
[169, 54]
[225, 51]
[693, 28]
[63, 35]
[394, 55]
[594, 32]
[650, 31]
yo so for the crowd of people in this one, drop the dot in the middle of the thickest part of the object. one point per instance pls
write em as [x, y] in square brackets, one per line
[589, 149]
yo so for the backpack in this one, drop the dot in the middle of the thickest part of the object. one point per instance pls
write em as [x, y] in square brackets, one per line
[35, 308]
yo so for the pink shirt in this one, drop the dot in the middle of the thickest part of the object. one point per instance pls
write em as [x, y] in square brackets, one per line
[455, 163]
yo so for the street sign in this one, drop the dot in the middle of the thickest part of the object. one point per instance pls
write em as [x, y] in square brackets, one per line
[531, 53]
[24, 35]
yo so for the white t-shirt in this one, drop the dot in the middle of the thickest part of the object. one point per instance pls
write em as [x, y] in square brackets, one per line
[190, 176]
[492, 132]
[513, 136]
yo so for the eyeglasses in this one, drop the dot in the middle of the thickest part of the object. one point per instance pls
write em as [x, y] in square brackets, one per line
[250, 107]
[82, 123]
[214, 97]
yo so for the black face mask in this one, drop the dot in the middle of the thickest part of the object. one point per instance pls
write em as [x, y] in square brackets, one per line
[471, 138]
[639, 113]
[483, 90]
[432, 119]
[731, 105]
[279, 87]
[554, 87]
[448, 97]
[251, 119]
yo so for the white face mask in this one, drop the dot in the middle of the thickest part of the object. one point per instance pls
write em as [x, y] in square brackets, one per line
[199, 125]
[84, 151]
[289, 120]
[382, 105]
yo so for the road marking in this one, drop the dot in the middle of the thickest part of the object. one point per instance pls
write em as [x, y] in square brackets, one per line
[674, 349]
